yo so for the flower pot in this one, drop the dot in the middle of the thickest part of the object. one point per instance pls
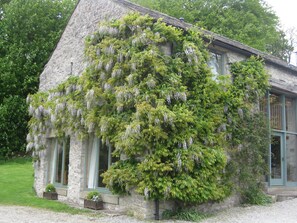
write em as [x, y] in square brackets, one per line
[50, 195]
[95, 205]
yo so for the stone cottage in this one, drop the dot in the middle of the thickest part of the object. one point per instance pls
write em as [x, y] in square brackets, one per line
[74, 165]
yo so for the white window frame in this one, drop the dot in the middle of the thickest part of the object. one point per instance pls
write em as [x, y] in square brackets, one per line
[92, 163]
[54, 161]
[222, 63]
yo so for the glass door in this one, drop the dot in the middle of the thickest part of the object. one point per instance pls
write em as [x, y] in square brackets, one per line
[277, 159]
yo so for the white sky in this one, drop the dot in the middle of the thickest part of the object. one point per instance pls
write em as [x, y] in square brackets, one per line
[287, 12]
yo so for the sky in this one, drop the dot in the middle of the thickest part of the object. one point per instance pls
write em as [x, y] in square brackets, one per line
[286, 11]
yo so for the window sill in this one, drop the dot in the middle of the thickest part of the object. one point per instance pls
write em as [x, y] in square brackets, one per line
[61, 191]
[106, 197]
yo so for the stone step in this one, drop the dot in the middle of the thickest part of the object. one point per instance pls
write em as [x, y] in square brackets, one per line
[279, 194]
[282, 197]
[273, 198]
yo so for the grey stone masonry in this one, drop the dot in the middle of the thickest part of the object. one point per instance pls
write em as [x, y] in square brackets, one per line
[41, 173]
[76, 170]
[68, 56]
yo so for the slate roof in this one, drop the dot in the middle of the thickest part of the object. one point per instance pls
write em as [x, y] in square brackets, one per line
[216, 38]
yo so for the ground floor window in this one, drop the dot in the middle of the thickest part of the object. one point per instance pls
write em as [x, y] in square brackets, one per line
[59, 168]
[99, 159]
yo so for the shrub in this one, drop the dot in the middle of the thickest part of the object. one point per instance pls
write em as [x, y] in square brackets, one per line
[50, 188]
[184, 215]
[94, 196]
[255, 196]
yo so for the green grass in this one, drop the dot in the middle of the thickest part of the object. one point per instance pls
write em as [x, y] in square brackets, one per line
[16, 181]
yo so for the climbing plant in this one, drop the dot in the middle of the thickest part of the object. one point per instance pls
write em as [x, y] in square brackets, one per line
[149, 93]
[249, 128]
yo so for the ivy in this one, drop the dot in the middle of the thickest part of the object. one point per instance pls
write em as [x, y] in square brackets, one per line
[166, 116]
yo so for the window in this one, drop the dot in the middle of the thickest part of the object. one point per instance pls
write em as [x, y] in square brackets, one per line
[282, 112]
[60, 161]
[290, 115]
[216, 64]
[276, 110]
[99, 159]
[291, 151]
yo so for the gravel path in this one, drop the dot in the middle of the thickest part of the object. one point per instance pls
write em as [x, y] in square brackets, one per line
[280, 212]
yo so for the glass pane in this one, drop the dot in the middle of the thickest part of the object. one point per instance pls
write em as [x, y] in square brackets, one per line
[103, 163]
[291, 157]
[59, 164]
[90, 162]
[66, 162]
[290, 115]
[263, 105]
[275, 112]
[276, 158]
[216, 64]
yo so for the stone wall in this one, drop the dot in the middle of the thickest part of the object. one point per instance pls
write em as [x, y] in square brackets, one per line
[76, 170]
[41, 171]
[69, 53]
[282, 78]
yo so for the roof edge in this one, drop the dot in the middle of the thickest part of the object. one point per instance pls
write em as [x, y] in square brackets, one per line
[216, 38]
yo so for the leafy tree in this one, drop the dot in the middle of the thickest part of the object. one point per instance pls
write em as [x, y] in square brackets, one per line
[13, 125]
[249, 21]
[29, 31]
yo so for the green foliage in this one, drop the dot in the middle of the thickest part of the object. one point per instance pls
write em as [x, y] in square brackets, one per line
[94, 195]
[122, 176]
[255, 196]
[165, 114]
[50, 188]
[257, 27]
[184, 215]
[248, 151]
[13, 126]
[29, 33]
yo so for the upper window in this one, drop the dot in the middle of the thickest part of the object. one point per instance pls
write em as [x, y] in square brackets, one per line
[276, 111]
[99, 159]
[60, 161]
[282, 112]
[291, 115]
[216, 64]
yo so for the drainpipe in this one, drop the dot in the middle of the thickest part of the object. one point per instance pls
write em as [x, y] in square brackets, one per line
[157, 210]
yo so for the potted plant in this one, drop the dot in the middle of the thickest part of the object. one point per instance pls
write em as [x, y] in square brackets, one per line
[50, 192]
[93, 201]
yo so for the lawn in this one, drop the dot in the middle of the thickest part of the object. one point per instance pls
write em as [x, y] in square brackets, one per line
[16, 181]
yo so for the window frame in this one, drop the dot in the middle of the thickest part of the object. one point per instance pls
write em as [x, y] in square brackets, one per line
[223, 69]
[65, 144]
[283, 131]
[94, 145]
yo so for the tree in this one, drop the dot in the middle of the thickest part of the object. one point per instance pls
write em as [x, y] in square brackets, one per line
[251, 22]
[29, 33]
